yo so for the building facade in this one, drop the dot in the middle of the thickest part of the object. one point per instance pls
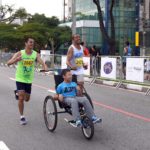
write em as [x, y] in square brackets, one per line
[144, 27]
[126, 14]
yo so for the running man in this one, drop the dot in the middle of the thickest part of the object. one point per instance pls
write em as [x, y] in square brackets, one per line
[75, 59]
[25, 60]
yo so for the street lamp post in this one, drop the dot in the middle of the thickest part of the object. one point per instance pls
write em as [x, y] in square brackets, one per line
[73, 16]
[144, 32]
[144, 47]
[64, 11]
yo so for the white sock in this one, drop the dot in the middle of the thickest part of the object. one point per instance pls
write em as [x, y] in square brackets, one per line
[22, 117]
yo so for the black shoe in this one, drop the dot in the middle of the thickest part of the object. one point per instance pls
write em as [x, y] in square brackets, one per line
[16, 95]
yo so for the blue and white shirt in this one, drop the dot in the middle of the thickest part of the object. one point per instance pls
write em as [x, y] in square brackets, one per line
[67, 89]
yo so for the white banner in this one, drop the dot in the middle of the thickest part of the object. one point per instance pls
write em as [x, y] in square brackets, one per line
[86, 60]
[45, 55]
[135, 69]
[63, 62]
[108, 67]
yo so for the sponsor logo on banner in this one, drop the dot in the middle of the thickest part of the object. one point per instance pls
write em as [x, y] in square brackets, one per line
[108, 66]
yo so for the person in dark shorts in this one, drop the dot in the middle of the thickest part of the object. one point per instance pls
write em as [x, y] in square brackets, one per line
[25, 60]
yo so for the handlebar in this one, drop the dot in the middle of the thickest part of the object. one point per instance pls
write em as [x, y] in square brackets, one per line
[54, 69]
[47, 70]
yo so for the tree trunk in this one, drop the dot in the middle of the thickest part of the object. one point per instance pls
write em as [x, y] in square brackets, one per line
[113, 33]
[110, 39]
[52, 56]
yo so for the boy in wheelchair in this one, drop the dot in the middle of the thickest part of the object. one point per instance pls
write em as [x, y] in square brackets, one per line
[67, 92]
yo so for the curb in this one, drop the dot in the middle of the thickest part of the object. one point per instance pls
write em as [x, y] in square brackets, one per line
[130, 86]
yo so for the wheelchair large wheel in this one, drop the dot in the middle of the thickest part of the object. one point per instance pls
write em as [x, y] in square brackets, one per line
[89, 98]
[50, 113]
[87, 128]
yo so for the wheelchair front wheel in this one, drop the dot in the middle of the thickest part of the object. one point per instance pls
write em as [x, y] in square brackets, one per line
[50, 113]
[87, 128]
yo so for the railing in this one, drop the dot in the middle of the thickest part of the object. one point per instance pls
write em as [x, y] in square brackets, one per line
[121, 70]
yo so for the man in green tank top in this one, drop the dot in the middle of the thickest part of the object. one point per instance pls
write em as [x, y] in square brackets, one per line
[25, 60]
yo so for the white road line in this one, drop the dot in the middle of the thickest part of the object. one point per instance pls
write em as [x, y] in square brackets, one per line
[52, 91]
[12, 79]
[3, 146]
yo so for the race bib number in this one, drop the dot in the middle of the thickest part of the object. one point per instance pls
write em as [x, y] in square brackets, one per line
[28, 63]
[79, 62]
[27, 66]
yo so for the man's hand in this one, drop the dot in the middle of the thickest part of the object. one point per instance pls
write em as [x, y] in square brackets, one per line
[40, 61]
[16, 58]
[85, 66]
[74, 68]
[19, 58]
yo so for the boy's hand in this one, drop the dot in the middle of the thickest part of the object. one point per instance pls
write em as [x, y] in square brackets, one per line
[56, 97]
[61, 98]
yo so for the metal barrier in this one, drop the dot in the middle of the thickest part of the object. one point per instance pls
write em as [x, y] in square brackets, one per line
[100, 67]
[108, 60]
[105, 62]
[52, 60]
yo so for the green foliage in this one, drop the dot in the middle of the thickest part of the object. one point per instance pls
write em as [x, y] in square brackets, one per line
[45, 30]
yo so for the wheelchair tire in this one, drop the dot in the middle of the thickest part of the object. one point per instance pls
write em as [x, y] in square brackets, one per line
[87, 128]
[89, 98]
[50, 113]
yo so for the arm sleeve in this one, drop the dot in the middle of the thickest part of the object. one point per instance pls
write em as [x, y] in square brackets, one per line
[59, 90]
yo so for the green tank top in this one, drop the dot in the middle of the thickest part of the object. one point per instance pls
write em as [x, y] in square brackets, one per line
[25, 67]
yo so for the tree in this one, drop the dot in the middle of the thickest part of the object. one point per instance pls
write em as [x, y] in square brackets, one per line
[12, 36]
[42, 19]
[37, 31]
[111, 39]
[58, 36]
[8, 14]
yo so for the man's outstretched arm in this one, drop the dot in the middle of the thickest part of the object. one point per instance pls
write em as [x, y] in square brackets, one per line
[17, 57]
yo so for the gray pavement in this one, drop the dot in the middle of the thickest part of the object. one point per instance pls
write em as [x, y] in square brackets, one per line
[126, 119]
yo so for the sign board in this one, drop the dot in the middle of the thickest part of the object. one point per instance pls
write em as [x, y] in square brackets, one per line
[45, 55]
[108, 67]
[135, 69]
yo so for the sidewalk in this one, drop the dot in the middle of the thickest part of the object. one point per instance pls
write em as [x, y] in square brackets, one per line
[131, 85]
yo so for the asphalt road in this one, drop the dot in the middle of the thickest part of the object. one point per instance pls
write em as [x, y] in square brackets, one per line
[126, 119]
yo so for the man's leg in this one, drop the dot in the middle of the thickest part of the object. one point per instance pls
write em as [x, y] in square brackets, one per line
[75, 107]
[21, 97]
[21, 90]
[28, 88]
[27, 97]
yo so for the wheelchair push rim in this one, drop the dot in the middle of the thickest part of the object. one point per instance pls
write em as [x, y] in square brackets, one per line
[50, 113]
[87, 128]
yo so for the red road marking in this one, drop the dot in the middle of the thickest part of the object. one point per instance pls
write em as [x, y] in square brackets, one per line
[132, 115]
[122, 111]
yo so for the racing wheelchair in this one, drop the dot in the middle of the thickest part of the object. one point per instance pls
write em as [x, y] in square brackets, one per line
[50, 109]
